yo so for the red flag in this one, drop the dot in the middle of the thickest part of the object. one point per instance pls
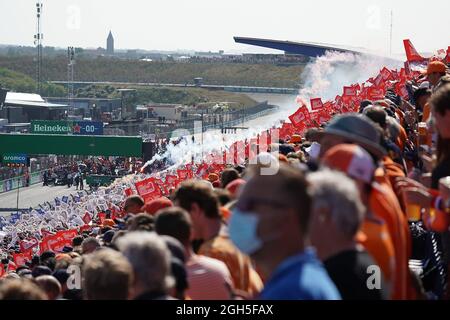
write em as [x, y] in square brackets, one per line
[45, 233]
[201, 169]
[162, 186]
[172, 181]
[148, 189]
[350, 92]
[300, 116]
[184, 174]
[20, 259]
[26, 245]
[84, 228]
[66, 236]
[128, 192]
[411, 52]
[101, 216]
[324, 116]
[386, 74]
[447, 57]
[378, 80]
[316, 104]
[375, 93]
[87, 218]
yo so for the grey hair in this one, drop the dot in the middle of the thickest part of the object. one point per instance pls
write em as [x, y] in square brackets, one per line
[339, 194]
[150, 258]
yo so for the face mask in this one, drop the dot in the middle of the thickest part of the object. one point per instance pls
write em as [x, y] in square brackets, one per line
[242, 229]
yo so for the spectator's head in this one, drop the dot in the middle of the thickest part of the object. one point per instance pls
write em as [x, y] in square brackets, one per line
[337, 212]
[150, 259]
[89, 245]
[421, 97]
[227, 176]
[50, 285]
[177, 267]
[76, 243]
[351, 128]
[21, 289]
[156, 204]
[62, 276]
[234, 187]
[354, 161]
[377, 115]
[435, 71]
[107, 275]
[202, 204]
[364, 104]
[133, 204]
[175, 222]
[107, 237]
[222, 195]
[141, 222]
[212, 177]
[271, 217]
[440, 103]
[40, 271]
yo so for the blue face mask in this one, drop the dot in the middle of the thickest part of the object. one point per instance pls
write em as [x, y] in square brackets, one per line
[243, 231]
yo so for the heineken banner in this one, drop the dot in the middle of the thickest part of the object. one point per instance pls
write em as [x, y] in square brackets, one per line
[67, 127]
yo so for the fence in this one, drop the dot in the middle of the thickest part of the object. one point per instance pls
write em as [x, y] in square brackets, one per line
[210, 120]
[14, 183]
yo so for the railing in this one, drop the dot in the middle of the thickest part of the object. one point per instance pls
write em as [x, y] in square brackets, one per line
[20, 181]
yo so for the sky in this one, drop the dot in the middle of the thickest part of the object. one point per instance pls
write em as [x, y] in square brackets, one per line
[205, 25]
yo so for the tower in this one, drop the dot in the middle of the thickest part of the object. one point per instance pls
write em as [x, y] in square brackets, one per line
[38, 42]
[110, 44]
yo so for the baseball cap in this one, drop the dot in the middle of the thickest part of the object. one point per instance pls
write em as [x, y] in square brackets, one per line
[436, 67]
[355, 128]
[156, 204]
[351, 159]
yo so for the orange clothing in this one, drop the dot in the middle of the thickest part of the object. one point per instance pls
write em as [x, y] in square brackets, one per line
[385, 205]
[391, 171]
[378, 243]
[242, 273]
[426, 112]
[402, 138]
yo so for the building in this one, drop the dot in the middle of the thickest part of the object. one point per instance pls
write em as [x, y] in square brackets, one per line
[110, 44]
[22, 108]
[167, 111]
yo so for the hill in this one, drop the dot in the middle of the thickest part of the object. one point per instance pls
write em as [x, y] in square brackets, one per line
[16, 81]
[186, 96]
[111, 69]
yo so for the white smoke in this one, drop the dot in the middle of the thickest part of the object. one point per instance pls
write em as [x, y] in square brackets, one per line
[327, 75]
[324, 77]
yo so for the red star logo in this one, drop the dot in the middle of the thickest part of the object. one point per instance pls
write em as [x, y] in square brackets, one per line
[76, 128]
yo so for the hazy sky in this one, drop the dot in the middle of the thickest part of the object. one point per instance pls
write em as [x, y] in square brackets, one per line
[211, 24]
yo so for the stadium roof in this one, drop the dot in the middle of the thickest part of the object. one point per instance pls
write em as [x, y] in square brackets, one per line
[303, 48]
[31, 100]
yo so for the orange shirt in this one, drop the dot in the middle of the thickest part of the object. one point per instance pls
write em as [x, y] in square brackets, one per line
[385, 205]
[242, 273]
[426, 112]
[391, 171]
[379, 245]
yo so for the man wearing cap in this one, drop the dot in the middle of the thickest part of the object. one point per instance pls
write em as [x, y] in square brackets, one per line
[360, 130]
[435, 71]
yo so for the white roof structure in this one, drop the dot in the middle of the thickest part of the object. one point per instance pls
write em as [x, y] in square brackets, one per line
[19, 99]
